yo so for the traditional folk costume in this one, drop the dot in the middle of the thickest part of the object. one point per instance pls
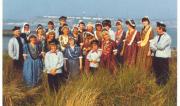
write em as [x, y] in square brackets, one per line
[77, 37]
[63, 40]
[72, 57]
[106, 23]
[144, 60]
[108, 58]
[120, 36]
[98, 34]
[54, 60]
[130, 47]
[32, 65]
[161, 52]
[15, 51]
[25, 34]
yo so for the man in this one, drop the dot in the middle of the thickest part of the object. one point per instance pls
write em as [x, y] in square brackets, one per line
[62, 22]
[107, 25]
[161, 48]
[15, 49]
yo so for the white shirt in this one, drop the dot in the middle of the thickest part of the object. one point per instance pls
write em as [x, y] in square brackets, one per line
[112, 34]
[161, 48]
[54, 60]
[94, 56]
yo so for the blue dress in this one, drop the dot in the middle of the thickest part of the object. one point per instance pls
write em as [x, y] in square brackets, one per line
[32, 65]
[72, 55]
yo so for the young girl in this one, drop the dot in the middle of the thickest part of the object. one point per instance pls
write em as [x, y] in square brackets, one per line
[130, 47]
[94, 57]
[109, 51]
[73, 58]
[63, 39]
[53, 67]
[32, 62]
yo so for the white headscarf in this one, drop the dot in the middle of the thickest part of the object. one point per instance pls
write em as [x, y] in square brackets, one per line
[22, 31]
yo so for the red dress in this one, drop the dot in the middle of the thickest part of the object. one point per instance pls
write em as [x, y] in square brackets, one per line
[131, 47]
[108, 57]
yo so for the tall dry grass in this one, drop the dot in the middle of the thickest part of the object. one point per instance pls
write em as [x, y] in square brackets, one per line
[130, 87]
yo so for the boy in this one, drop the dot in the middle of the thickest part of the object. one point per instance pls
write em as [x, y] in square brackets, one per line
[53, 66]
[94, 56]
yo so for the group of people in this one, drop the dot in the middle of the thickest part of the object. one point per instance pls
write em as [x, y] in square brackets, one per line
[66, 53]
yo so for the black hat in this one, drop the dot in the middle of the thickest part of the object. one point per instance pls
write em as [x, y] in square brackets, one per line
[161, 24]
[16, 28]
[131, 23]
[63, 18]
[95, 42]
[106, 23]
[145, 18]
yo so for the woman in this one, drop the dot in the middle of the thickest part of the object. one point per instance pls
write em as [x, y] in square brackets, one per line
[109, 51]
[76, 35]
[73, 58]
[144, 52]
[25, 32]
[98, 32]
[63, 39]
[40, 39]
[130, 47]
[49, 38]
[32, 62]
[120, 36]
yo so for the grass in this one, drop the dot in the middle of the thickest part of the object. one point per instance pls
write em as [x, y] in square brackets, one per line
[130, 87]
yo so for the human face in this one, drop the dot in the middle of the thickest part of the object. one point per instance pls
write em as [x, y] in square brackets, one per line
[94, 47]
[62, 22]
[145, 23]
[53, 48]
[66, 31]
[26, 28]
[107, 28]
[17, 33]
[50, 26]
[33, 40]
[51, 36]
[75, 31]
[81, 26]
[159, 31]
[106, 36]
[90, 29]
[99, 28]
[71, 42]
[40, 32]
[119, 26]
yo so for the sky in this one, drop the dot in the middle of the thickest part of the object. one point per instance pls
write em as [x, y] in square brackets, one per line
[20, 9]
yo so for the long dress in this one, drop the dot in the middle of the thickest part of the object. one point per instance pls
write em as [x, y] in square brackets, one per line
[72, 55]
[144, 60]
[131, 48]
[108, 58]
[120, 36]
[32, 65]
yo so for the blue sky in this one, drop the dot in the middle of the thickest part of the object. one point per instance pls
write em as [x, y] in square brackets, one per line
[20, 9]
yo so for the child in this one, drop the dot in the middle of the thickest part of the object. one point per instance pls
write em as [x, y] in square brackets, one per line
[73, 58]
[94, 56]
[53, 67]
[32, 62]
